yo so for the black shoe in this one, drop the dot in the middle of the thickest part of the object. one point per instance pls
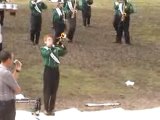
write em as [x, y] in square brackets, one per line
[49, 113]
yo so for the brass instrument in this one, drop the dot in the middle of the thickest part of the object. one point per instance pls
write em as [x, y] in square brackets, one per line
[61, 38]
[74, 9]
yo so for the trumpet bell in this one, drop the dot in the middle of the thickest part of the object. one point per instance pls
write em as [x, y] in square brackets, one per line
[63, 35]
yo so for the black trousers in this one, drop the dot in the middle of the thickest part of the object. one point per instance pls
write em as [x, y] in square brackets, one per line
[116, 21]
[86, 16]
[7, 110]
[123, 27]
[36, 22]
[1, 17]
[50, 87]
[71, 28]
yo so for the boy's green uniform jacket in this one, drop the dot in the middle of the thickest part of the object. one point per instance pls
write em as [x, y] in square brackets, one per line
[46, 55]
[40, 6]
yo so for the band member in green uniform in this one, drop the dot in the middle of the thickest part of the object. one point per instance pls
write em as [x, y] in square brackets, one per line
[86, 11]
[58, 19]
[71, 11]
[50, 54]
[36, 7]
[123, 9]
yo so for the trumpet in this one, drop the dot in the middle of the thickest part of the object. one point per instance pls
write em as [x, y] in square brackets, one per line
[61, 38]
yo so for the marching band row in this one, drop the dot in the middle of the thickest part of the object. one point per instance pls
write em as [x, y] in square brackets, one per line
[65, 10]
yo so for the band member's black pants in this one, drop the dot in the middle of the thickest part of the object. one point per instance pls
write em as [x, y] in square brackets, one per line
[7, 110]
[116, 21]
[1, 17]
[124, 27]
[50, 87]
[71, 28]
[86, 16]
[59, 29]
[36, 22]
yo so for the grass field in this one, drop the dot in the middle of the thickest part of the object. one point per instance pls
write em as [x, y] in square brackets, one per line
[95, 69]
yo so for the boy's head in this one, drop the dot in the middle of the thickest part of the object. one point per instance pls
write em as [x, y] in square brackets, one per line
[48, 40]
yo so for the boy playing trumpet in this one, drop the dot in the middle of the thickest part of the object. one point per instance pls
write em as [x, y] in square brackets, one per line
[50, 54]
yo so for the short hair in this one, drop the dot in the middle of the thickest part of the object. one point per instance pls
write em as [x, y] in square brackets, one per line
[5, 55]
[49, 35]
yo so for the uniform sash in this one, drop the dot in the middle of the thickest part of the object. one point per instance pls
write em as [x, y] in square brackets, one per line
[37, 8]
[70, 5]
[121, 7]
[59, 12]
